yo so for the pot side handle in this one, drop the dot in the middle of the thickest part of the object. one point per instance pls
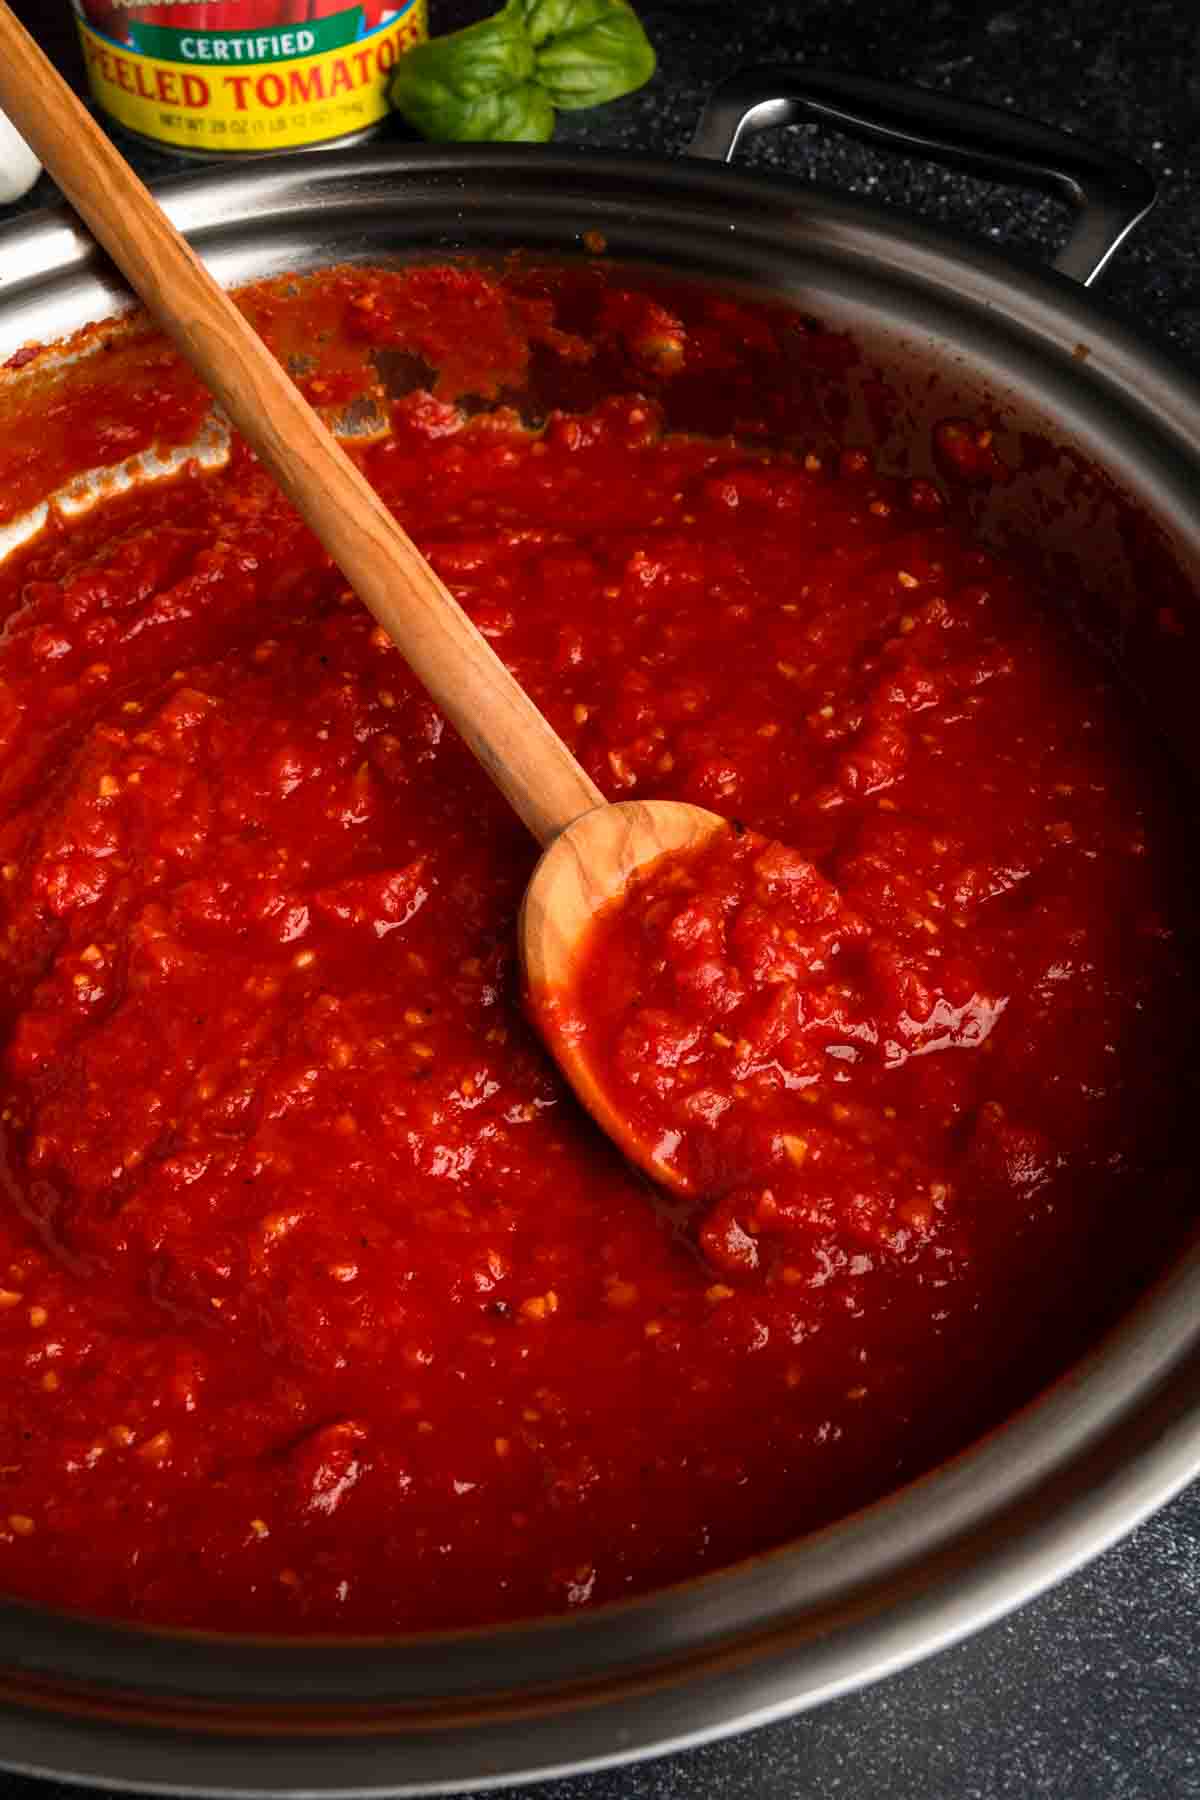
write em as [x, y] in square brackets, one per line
[1112, 193]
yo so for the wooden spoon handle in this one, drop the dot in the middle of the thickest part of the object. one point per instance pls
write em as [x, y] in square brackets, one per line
[529, 764]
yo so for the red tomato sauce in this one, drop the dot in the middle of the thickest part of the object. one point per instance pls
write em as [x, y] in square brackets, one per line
[322, 1306]
[791, 1051]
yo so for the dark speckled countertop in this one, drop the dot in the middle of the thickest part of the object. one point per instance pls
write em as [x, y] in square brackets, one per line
[1093, 1691]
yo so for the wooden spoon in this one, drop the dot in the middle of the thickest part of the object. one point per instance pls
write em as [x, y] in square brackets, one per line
[591, 848]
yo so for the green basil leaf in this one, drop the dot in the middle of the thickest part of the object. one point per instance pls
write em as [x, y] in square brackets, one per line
[546, 19]
[600, 53]
[473, 84]
[521, 114]
[501, 79]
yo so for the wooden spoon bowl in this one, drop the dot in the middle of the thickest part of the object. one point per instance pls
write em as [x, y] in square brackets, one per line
[586, 868]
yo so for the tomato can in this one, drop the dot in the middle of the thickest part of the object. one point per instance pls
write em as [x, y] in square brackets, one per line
[245, 77]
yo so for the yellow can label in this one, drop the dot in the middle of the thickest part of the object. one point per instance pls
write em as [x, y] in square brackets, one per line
[248, 75]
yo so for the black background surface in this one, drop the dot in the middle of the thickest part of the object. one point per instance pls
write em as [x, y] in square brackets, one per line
[1093, 1691]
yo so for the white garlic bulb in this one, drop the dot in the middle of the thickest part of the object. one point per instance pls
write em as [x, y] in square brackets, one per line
[19, 167]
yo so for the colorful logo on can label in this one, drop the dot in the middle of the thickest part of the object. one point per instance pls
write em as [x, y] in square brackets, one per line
[245, 76]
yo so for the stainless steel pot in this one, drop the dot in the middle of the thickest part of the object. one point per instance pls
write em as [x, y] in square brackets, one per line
[1116, 493]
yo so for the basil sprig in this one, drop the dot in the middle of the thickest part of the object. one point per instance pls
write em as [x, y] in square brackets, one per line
[502, 79]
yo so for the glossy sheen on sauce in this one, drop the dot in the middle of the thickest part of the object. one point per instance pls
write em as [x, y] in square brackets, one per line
[322, 1307]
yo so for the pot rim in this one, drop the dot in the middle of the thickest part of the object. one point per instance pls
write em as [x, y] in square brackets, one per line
[41, 246]
[1115, 1437]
